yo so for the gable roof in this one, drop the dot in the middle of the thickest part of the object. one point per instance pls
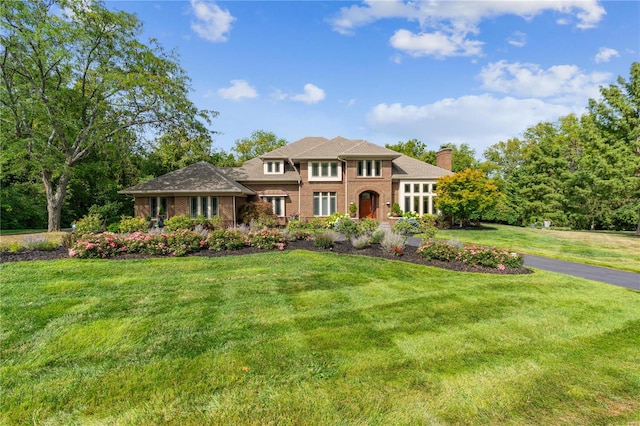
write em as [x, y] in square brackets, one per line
[318, 148]
[200, 177]
[405, 167]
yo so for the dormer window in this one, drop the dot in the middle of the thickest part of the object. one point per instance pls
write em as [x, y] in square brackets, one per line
[274, 167]
[369, 168]
[325, 170]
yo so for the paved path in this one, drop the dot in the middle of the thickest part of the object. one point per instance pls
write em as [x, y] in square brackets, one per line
[610, 276]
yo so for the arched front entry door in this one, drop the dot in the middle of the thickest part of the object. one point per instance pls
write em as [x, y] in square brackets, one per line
[368, 205]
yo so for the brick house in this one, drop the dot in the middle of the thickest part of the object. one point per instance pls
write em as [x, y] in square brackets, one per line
[313, 177]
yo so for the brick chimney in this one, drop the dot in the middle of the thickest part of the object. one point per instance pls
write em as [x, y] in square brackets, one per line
[443, 158]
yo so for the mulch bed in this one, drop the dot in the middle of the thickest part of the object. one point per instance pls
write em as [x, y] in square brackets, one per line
[340, 247]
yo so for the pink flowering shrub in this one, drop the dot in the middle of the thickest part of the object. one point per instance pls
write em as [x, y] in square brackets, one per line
[267, 239]
[471, 255]
[108, 244]
[225, 239]
[438, 250]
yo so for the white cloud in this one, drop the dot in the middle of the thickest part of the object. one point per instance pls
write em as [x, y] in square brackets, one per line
[446, 25]
[212, 22]
[312, 94]
[518, 39]
[561, 83]
[239, 89]
[605, 54]
[480, 121]
[436, 44]
[427, 13]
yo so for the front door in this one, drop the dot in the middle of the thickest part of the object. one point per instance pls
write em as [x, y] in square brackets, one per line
[367, 205]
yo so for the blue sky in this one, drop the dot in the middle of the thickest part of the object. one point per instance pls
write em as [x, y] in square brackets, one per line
[474, 72]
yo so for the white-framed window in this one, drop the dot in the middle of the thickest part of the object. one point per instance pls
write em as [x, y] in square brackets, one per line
[369, 168]
[158, 206]
[274, 167]
[277, 203]
[203, 206]
[418, 197]
[325, 170]
[324, 203]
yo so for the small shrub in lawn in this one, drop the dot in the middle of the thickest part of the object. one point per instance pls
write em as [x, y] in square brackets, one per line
[267, 239]
[38, 243]
[407, 226]
[361, 242]
[377, 236]
[130, 224]
[346, 226]
[438, 250]
[367, 226]
[491, 257]
[325, 240]
[89, 224]
[391, 241]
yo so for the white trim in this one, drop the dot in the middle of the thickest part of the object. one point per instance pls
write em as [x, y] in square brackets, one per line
[420, 196]
[277, 167]
[328, 177]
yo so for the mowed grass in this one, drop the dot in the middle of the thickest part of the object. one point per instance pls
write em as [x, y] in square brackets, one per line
[618, 250]
[299, 337]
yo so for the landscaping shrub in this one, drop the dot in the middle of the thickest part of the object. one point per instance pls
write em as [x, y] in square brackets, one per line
[393, 242]
[89, 224]
[361, 242]
[325, 240]
[428, 225]
[214, 223]
[69, 239]
[295, 225]
[330, 221]
[407, 227]
[38, 243]
[438, 250]
[296, 235]
[367, 226]
[346, 226]
[108, 212]
[10, 247]
[226, 239]
[130, 224]
[259, 213]
[181, 221]
[377, 236]
[267, 239]
[490, 257]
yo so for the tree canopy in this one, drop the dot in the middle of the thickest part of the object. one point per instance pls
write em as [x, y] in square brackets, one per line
[75, 78]
[259, 143]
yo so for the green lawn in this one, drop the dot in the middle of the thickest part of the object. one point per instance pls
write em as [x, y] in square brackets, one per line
[618, 250]
[299, 337]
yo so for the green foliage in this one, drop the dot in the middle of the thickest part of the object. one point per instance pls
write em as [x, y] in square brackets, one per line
[325, 240]
[318, 223]
[295, 225]
[108, 212]
[267, 239]
[91, 223]
[428, 225]
[438, 250]
[466, 195]
[69, 239]
[259, 143]
[224, 239]
[353, 209]
[330, 221]
[260, 213]
[395, 209]
[23, 205]
[367, 226]
[76, 85]
[407, 226]
[415, 149]
[11, 247]
[490, 257]
[393, 243]
[361, 242]
[377, 236]
[132, 224]
[346, 226]
[181, 221]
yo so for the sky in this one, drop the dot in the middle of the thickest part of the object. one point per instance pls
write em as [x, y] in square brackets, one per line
[475, 72]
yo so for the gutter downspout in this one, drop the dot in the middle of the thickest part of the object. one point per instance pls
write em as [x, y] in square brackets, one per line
[299, 186]
[346, 186]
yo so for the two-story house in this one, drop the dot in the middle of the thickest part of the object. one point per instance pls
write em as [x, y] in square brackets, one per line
[313, 177]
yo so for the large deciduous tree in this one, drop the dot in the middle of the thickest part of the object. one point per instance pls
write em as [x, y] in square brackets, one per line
[74, 78]
[259, 143]
[617, 115]
[466, 195]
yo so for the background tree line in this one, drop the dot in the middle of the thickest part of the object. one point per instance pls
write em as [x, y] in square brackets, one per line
[80, 97]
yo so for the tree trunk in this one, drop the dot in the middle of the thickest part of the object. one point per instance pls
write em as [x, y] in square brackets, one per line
[638, 229]
[55, 198]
